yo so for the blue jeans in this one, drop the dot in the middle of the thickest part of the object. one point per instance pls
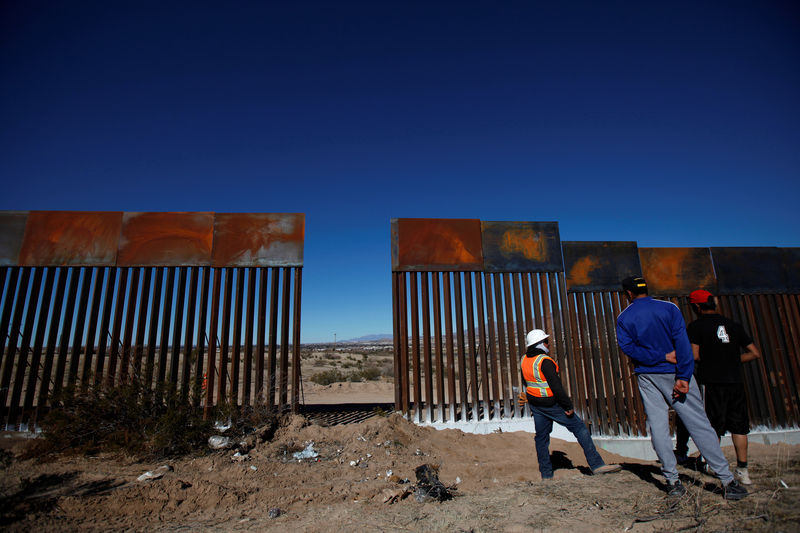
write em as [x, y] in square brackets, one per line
[543, 418]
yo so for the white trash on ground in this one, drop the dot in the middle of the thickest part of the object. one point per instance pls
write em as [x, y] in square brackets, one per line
[308, 453]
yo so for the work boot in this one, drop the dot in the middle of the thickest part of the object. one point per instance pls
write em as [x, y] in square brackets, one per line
[675, 489]
[734, 491]
[606, 469]
[743, 476]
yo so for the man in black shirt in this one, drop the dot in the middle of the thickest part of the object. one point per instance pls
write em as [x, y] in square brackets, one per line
[722, 345]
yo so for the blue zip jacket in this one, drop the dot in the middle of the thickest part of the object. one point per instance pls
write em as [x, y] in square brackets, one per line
[649, 329]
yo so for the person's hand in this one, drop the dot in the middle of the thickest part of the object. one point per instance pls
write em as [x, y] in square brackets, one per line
[522, 399]
[680, 389]
[671, 357]
[570, 412]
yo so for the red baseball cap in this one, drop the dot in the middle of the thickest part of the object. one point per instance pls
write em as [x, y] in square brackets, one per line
[700, 296]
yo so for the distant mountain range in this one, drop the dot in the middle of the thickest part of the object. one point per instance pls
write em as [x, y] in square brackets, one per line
[372, 338]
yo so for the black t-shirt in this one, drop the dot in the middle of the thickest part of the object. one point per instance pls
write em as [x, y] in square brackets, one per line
[721, 341]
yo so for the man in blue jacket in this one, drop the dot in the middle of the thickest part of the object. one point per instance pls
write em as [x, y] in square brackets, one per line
[652, 333]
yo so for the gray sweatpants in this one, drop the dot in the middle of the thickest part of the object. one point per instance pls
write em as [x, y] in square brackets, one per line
[656, 392]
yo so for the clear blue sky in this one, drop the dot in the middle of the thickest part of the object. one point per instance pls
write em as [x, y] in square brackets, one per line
[671, 124]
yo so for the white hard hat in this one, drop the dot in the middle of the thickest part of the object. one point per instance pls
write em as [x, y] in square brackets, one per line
[535, 336]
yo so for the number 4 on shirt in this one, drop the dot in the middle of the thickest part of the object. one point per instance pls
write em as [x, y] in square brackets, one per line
[723, 335]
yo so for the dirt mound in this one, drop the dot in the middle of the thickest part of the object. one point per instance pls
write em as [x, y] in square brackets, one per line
[314, 478]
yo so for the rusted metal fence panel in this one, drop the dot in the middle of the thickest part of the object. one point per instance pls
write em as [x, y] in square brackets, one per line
[465, 293]
[101, 297]
[477, 305]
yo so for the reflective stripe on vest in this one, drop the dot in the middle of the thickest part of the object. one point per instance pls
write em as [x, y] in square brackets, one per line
[535, 382]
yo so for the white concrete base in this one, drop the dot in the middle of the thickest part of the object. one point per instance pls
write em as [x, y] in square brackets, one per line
[634, 447]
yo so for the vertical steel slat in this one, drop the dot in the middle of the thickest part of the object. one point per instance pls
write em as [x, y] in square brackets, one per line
[471, 354]
[526, 303]
[52, 337]
[513, 361]
[547, 309]
[579, 396]
[261, 334]
[13, 335]
[211, 367]
[105, 323]
[758, 394]
[38, 343]
[177, 327]
[141, 322]
[284, 376]
[8, 305]
[66, 329]
[608, 382]
[790, 331]
[438, 346]
[94, 313]
[495, 393]
[80, 325]
[24, 348]
[273, 336]
[616, 363]
[519, 317]
[505, 395]
[536, 292]
[566, 337]
[224, 338]
[462, 367]
[396, 339]
[152, 334]
[237, 336]
[248, 335]
[777, 359]
[401, 379]
[486, 403]
[590, 339]
[451, 365]
[426, 347]
[166, 320]
[298, 286]
[415, 346]
[558, 335]
[188, 335]
[769, 385]
[127, 344]
[200, 366]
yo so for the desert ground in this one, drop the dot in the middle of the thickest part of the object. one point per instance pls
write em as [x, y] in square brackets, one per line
[362, 476]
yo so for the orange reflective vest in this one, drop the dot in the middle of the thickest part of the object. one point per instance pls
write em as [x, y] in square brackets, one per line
[535, 382]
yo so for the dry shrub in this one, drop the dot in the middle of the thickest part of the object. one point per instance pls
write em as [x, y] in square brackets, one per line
[128, 417]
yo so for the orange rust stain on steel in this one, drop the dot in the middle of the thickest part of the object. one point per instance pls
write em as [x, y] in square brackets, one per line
[252, 238]
[677, 269]
[439, 242]
[524, 241]
[666, 267]
[71, 238]
[580, 273]
[166, 239]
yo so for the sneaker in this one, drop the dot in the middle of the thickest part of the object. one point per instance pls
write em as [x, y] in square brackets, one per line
[704, 468]
[607, 469]
[681, 458]
[675, 489]
[742, 475]
[734, 491]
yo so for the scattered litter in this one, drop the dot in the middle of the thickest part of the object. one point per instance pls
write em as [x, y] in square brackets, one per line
[353, 463]
[429, 487]
[274, 512]
[222, 426]
[785, 486]
[240, 457]
[369, 455]
[308, 453]
[218, 442]
[361, 438]
[418, 452]
[158, 473]
[253, 468]
[388, 473]
[458, 480]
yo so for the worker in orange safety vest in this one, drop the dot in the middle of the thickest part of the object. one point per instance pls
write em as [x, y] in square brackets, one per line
[549, 402]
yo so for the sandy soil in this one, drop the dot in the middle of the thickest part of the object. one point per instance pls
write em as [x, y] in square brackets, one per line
[358, 481]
